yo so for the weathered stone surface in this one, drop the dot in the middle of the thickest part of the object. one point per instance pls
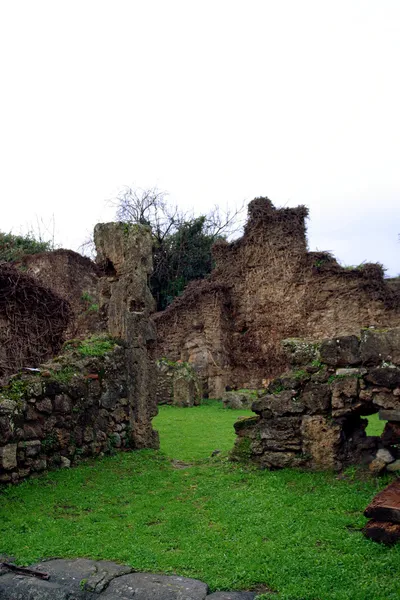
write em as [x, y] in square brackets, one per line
[62, 404]
[394, 466]
[145, 586]
[377, 466]
[278, 405]
[279, 460]
[83, 579]
[345, 398]
[45, 406]
[391, 433]
[386, 505]
[239, 400]
[384, 376]
[380, 346]
[382, 531]
[7, 406]
[299, 351]
[8, 457]
[384, 455]
[316, 398]
[386, 400]
[32, 448]
[245, 423]
[321, 440]
[280, 434]
[341, 352]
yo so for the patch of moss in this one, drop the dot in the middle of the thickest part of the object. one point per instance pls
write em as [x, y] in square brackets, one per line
[96, 345]
[15, 390]
[241, 451]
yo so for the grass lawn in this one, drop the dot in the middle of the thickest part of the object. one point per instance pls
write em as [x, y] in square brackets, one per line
[297, 533]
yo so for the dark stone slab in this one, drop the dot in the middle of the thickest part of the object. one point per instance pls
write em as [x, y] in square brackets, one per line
[377, 346]
[386, 505]
[382, 531]
[146, 586]
[341, 352]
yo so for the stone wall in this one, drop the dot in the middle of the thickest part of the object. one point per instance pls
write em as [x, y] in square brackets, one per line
[76, 406]
[33, 320]
[75, 279]
[177, 384]
[94, 396]
[266, 287]
[312, 416]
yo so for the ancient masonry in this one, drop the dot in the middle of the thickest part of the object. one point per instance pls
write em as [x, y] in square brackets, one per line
[312, 416]
[266, 287]
[99, 394]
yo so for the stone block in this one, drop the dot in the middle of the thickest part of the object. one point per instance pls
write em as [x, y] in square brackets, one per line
[62, 404]
[342, 351]
[280, 434]
[299, 351]
[278, 405]
[386, 376]
[7, 406]
[386, 400]
[32, 448]
[8, 457]
[45, 406]
[239, 400]
[379, 346]
[384, 455]
[316, 398]
[321, 442]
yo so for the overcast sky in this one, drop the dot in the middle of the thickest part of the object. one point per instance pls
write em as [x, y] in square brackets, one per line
[214, 101]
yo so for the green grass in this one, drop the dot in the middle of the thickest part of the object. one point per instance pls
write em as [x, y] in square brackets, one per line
[375, 426]
[234, 527]
[193, 433]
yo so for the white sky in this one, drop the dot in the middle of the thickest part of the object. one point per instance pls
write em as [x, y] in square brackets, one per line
[214, 101]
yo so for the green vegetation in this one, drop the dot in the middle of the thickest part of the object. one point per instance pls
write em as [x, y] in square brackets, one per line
[235, 527]
[375, 425]
[15, 390]
[97, 345]
[15, 247]
[90, 304]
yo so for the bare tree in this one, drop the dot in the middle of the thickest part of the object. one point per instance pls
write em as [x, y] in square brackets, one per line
[151, 207]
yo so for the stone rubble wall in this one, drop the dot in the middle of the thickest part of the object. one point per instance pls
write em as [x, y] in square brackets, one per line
[266, 287]
[312, 416]
[177, 384]
[73, 407]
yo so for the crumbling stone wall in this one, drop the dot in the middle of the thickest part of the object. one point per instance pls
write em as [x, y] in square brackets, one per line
[312, 416]
[33, 320]
[266, 287]
[76, 406]
[73, 408]
[177, 384]
[75, 279]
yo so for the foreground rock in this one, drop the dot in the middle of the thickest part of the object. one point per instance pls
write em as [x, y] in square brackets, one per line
[84, 579]
[384, 512]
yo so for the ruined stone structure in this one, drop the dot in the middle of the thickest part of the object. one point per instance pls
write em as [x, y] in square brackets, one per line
[74, 278]
[177, 384]
[83, 402]
[33, 320]
[266, 287]
[312, 416]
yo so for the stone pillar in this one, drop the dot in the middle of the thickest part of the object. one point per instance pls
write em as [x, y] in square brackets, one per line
[125, 253]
